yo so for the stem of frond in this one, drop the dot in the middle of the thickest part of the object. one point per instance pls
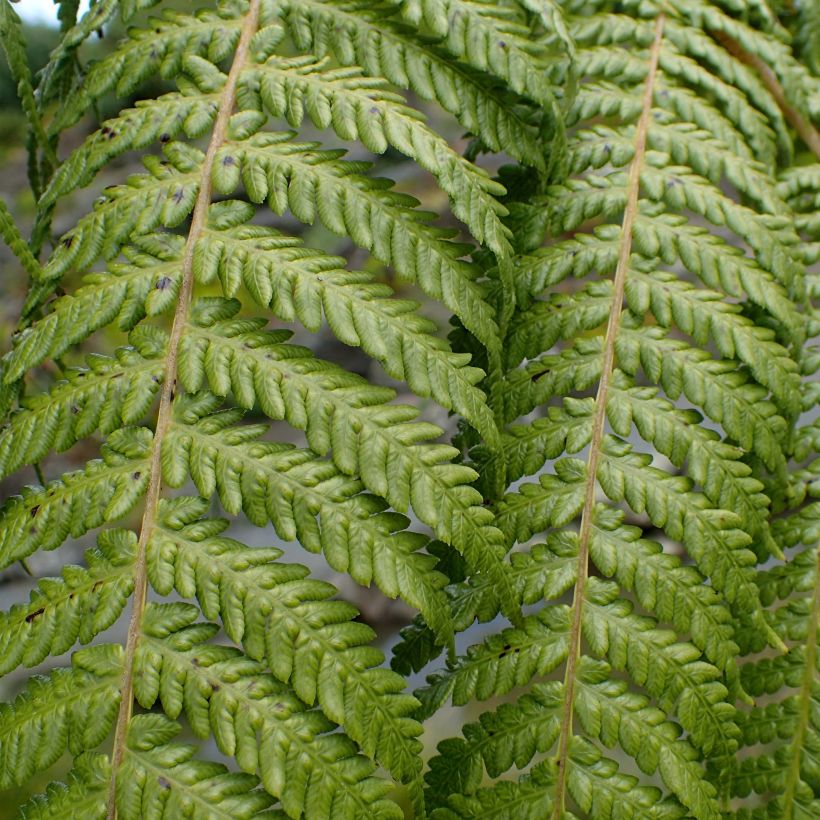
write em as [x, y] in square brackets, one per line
[599, 418]
[805, 130]
[804, 701]
[165, 412]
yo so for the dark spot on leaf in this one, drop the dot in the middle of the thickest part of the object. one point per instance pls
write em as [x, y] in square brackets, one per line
[178, 195]
[163, 282]
[163, 783]
[163, 138]
[374, 109]
[33, 511]
[502, 43]
[136, 475]
[67, 240]
[228, 160]
[31, 616]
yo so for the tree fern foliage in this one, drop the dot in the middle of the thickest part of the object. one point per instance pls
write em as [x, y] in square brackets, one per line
[626, 518]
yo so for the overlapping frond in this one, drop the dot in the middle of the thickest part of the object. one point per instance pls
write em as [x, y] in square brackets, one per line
[655, 275]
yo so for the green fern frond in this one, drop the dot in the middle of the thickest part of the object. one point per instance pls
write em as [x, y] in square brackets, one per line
[353, 530]
[268, 729]
[84, 793]
[104, 491]
[624, 521]
[16, 243]
[76, 607]
[360, 33]
[286, 619]
[71, 709]
[107, 394]
[163, 779]
[13, 42]
[686, 117]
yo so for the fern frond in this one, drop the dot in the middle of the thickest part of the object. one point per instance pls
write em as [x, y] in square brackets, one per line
[107, 394]
[361, 108]
[163, 779]
[489, 37]
[78, 606]
[190, 112]
[14, 240]
[160, 48]
[72, 709]
[501, 663]
[353, 529]
[104, 491]
[306, 284]
[625, 521]
[314, 183]
[233, 355]
[163, 197]
[84, 793]
[13, 42]
[286, 619]
[359, 33]
[265, 727]
[686, 117]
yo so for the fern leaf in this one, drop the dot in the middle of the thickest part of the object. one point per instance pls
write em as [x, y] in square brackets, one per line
[190, 113]
[501, 663]
[71, 709]
[353, 529]
[489, 37]
[357, 33]
[299, 282]
[84, 793]
[281, 616]
[360, 108]
[163, 197]
[107, 489]
[110, 393]
[13, 239]
[163, 779]
[159, 48]
[13, 41]
[267, 729]
[78, 606]
[316, 183]
[234, 355]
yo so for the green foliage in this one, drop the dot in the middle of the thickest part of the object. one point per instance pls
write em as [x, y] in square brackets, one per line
[628, 506]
